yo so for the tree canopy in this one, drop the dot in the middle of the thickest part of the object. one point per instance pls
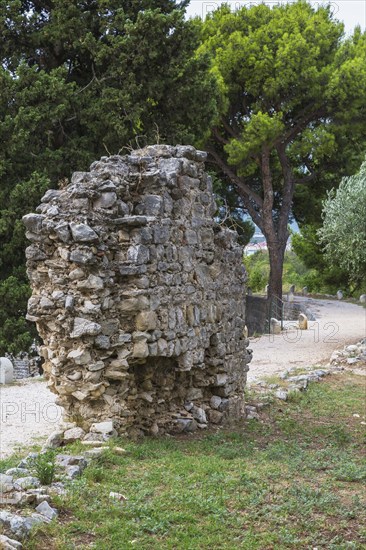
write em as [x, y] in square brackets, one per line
[343, 233]
[80, 80]
[292, 92]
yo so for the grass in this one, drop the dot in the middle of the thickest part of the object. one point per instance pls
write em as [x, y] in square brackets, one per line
[295, 480]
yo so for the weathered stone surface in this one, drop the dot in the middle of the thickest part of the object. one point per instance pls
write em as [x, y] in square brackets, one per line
[6, 371]
[46, 510]
[102, 427]
[71, 460]
[139, 296]
[21, 526]
[146, 320]
[82, 232]
[9, 544]
[54, 440]
[106, 200]
[215, 401]
[6, 483]
[73, 434]
[303, 322]
[28, 482]
[33, 222]
[84, 327]
[17, 472]
[275, 326]
[281, 394]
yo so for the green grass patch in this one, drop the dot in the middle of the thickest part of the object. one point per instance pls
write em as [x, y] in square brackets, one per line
[294, 480]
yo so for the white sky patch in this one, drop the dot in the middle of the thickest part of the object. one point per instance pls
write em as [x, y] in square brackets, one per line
[351, 12]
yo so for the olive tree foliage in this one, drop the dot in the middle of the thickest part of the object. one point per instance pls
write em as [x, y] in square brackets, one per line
[343, 233]
[292, 93]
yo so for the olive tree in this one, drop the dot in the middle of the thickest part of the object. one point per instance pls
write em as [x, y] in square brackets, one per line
[343, 234]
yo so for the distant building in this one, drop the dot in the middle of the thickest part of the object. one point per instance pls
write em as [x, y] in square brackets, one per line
[252, 248]
[258, 242]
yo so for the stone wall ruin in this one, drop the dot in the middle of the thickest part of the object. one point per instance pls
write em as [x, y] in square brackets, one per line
[139, 296]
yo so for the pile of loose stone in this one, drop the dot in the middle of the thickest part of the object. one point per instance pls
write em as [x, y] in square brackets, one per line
[139, 295]
[20, 488]
[353, 356]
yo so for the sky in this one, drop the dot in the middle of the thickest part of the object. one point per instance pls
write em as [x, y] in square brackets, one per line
[351, 12]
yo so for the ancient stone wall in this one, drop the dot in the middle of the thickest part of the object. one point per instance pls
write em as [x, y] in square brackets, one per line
[139, 295]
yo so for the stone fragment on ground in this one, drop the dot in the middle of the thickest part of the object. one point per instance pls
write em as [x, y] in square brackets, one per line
[7, 543]
[19, 490]
[46, 510]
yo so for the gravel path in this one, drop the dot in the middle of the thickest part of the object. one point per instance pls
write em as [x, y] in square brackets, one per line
[28, 412]
[337, 324]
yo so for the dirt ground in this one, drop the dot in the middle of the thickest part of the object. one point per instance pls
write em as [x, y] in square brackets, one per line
[28, 414]
[337, 324]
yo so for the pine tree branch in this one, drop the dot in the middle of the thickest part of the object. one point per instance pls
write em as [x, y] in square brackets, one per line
[248, 195]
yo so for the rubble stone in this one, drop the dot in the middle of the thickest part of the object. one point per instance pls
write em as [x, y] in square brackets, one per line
[139, 295]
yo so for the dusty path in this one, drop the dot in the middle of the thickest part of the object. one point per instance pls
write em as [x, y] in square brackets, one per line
[337, 324]
[28, 413]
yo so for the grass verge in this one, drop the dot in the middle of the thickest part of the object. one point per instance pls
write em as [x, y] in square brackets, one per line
[295, 480]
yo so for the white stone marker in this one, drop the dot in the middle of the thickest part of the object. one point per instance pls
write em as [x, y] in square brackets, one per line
[6, 371]
[303, 322]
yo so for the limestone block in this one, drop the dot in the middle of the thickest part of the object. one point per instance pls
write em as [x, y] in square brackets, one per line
[275, 326]
[146, 320]
[140, 349]
[73, 434]
[84, 327]
[33, 222]
[6, 371]
[215, 401]
[77, 273]
[46, 510]
[80, 356]
[82, 232]
[80, 256]
[106, 200]
[62, 231]
[91, 283]
[303, 322]
[9, 544]
[102, 427]
[151, 205]
[215, 416]
[194, 393]
[6, 483]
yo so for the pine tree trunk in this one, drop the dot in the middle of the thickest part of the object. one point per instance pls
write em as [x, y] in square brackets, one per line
[276, 259]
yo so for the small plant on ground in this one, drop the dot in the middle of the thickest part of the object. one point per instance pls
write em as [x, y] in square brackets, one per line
[43, 466]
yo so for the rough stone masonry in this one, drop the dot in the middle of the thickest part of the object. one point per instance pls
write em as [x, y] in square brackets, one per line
[139, 296]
